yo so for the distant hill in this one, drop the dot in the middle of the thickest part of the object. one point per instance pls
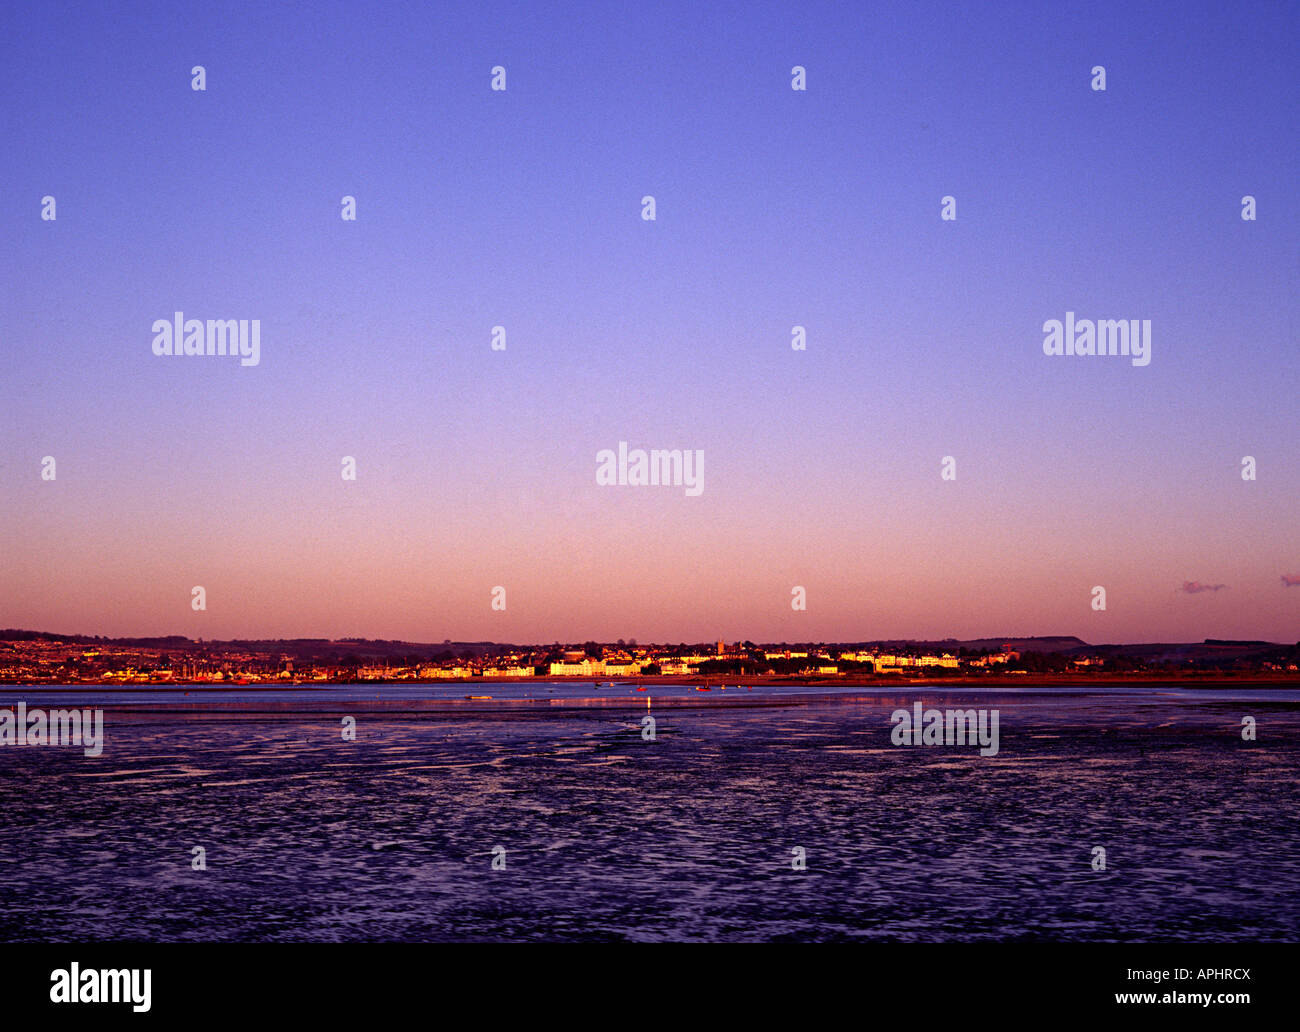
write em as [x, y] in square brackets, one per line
[297, 648]
[1049, 643]
[1212, 652]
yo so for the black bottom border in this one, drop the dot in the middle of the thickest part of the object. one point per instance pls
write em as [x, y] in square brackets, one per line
[512, 982]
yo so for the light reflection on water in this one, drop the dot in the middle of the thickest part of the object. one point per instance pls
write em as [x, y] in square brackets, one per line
[687, 837]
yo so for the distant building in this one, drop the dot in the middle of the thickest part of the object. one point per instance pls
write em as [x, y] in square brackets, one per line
[445, 673]
[586, 668]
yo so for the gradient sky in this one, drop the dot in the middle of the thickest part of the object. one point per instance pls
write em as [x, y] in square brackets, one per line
[477, 468]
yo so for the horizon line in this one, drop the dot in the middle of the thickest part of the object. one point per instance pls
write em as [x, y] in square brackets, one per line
[4, 632]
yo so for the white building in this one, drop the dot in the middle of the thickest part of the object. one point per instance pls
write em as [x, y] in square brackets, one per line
[586, 668]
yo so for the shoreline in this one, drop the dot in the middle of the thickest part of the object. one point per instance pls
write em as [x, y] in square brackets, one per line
[1208, 680]
[620, 700]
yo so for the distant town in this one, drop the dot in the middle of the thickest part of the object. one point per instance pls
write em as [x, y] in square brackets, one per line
[37, 657]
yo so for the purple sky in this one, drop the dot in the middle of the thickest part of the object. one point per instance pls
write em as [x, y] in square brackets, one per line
[775, 208]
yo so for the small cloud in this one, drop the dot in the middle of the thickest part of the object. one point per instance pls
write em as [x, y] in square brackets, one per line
[1291, 580]
[1193, 587]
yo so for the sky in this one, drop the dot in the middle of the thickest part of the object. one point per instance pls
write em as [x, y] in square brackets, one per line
[775, 208]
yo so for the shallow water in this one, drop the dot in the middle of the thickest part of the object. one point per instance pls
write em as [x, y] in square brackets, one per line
[688, 837]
